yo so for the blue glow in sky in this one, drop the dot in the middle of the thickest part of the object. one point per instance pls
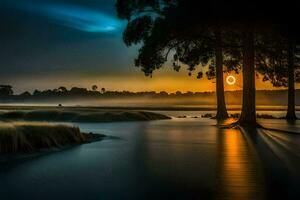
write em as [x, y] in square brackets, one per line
[80, 18]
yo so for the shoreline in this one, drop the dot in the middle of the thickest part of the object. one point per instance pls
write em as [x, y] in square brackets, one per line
[28, 137]
[142, 108]
[25, 140]
[55, 114]
[23, 156]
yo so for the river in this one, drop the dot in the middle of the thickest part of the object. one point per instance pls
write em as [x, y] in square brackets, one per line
[186, 158]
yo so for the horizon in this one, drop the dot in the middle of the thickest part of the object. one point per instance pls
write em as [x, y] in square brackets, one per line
[161, 81]
[18, 92]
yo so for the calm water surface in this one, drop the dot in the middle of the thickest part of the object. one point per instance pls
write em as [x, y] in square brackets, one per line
[174, 159]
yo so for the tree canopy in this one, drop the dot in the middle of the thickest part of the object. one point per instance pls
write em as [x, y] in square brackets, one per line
[196, 32]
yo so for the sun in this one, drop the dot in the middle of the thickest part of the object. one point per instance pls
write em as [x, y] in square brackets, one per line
[230, 80]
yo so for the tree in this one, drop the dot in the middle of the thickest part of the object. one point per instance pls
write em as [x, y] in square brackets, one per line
[178, 93]
[6, 90]
[103, 90]
[78, 91]
[291, 114]
[248, 114]
[163, 26]
[283, 60]
[163, 93]
[292, 35]
[193, 39]
[25, 94]
[94, 87]
[252, 30]
[37, 92]
[62, 89]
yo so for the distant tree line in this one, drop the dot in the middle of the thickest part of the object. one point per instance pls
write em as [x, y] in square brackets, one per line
[6, 90]
[62, 93]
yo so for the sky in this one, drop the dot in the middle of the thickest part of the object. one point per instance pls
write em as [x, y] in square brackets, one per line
[52, 43]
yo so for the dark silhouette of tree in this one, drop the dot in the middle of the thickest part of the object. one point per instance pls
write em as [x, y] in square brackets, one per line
[178, 27]
[291, 114]
[163, 93]
[178, 93]
[292, 34]
[248, 114]
[94, 87]
[283, 59]
[6, 90]
[194, 39]
[36, 92]
[78, 91]
[25, 94]
[284, 55]
[103, 90]
[62, 89]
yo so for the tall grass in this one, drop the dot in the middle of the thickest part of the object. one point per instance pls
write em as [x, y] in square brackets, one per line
[81, 116]
[28, 137]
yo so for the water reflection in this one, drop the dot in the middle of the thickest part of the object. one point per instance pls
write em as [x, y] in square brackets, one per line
[197, 159]
[172, 159]
[179, 158]
[239, 175]
[280, 153]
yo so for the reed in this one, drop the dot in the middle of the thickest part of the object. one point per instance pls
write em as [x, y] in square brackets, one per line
[29, 137]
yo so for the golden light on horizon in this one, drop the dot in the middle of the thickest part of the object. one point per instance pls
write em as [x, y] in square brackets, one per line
[164, 80]
[230, 80]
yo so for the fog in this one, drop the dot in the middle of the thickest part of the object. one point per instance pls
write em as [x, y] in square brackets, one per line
[203, 101]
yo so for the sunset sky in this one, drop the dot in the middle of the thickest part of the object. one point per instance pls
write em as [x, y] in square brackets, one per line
[50, 43]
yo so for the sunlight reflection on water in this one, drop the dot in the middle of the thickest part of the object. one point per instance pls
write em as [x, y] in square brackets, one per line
[186, 158]
[239, 174]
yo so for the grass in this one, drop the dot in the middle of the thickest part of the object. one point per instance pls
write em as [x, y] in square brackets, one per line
[26, 137]
[69, 115]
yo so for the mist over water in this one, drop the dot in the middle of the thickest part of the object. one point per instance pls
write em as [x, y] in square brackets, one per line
[150, 101]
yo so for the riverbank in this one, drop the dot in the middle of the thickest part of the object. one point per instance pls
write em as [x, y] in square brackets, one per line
[25, 137]
[76, 114]
[16, 107]
[237, 115]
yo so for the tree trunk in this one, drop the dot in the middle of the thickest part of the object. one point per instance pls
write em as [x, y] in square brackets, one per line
[248, 115]
[221, 105]
[291, 114]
